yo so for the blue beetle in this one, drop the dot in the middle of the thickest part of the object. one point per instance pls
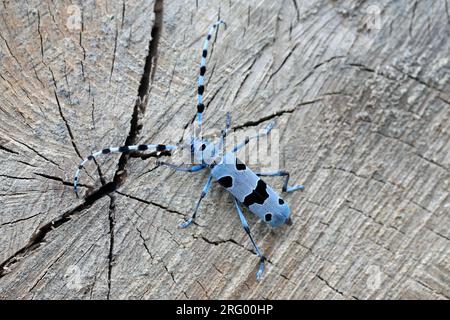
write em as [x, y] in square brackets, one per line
[236, 177]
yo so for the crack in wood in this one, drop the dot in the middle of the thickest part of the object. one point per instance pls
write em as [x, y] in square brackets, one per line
[40, 33]
[288, 55]
[10, 51]
[66, 183]
[412, 18]
[232, 241]
[111, 219]
[119, 177]
[144, 243]
[114, 54]
[253, 123]
[148, 202]
[20, 220]
[38, 237]
[35, 151]
[328, 285]
[13, 177]
[69, 130]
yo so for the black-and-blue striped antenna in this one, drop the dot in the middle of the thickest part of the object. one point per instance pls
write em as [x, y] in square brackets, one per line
[201, 77]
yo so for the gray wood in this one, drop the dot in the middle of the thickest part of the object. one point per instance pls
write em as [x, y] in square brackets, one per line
[362, 107]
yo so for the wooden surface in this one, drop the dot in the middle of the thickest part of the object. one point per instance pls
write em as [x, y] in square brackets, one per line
[362, 107]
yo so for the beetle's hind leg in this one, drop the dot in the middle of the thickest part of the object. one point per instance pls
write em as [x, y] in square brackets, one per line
[247, 230]
[282, 173]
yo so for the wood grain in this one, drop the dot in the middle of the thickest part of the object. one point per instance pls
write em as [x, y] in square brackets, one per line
[363, 112]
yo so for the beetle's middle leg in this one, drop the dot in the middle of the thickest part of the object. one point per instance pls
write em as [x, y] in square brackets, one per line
[202, 195]
[194, 168]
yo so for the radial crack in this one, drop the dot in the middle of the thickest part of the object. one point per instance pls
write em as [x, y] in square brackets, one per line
[72, 139]
[328, 285]
[111, 218]
[38, 237]
[253, 123]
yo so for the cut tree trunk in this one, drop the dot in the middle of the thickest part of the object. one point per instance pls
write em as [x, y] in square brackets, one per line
[359, 92]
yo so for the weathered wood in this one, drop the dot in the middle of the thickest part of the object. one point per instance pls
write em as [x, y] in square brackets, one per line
[363, 109]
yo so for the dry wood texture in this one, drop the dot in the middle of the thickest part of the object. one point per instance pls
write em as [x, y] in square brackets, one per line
[359, 91]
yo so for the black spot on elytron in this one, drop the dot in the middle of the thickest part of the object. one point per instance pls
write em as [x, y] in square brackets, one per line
[204, 53]
[208, 37]
[106, 151]
[203, 147]
[268, 217]
[280, 201]
[201, 89]
[212, 165]
[240, 165]
[91, 157]
[200, 107]
[160, 147]
[76, 178]
[259, 195]
[80, 167]
[202, 70]
[142, 147]
[226, 181]
[124, 149]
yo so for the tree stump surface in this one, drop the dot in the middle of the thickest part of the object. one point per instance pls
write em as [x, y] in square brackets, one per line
[360, 96]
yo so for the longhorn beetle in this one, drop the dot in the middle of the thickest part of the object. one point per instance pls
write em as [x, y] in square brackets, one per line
[245, 186]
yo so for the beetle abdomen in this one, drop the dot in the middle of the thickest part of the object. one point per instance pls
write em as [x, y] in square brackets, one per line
[251, 190]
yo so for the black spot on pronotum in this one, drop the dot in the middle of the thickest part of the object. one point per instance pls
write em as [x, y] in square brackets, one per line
[239, 165]
[280, 201]
[226, 181]
[106, 151]
[204, 53]
[202, 70]
[203, 147]
[258, 195]
[268, 217]
[91, 157]
[160, 147]
[124, 149]
[201, 89]
[200, 107]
